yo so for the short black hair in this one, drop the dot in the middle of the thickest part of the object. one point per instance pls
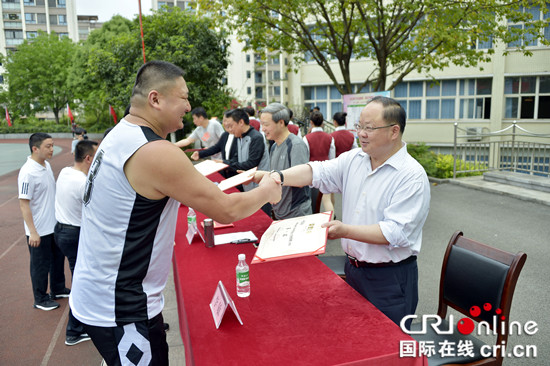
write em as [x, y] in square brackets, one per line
[37, 138]
[199, 112]
[393, 111]
[317, 118]
[155, 75]
[340, 118]
[237, 114]
[250, 110]
[83, 148]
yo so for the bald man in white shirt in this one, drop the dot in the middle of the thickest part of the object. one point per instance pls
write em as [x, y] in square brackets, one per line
[385, 202]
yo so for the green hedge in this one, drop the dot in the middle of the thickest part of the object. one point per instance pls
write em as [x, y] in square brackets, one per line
[34, 126]
[440, 165]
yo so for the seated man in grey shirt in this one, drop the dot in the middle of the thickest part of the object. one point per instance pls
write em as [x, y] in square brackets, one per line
[287, 151]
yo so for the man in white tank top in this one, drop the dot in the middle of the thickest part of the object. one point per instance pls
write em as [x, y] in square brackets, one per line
[133, 190]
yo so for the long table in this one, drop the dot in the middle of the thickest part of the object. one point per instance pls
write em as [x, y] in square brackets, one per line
[298, 313]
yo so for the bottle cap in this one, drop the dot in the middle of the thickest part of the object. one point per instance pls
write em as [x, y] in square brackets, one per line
[242, 257]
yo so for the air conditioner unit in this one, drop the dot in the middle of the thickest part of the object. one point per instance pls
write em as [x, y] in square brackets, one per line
[474, 133]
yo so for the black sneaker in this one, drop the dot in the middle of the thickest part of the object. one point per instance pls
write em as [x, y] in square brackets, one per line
[64, 293]
[46, 305]
[72, 340]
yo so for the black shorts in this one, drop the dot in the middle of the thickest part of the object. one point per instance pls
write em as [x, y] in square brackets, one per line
[141, 343]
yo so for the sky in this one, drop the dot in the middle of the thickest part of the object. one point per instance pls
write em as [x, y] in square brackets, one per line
[106, 9]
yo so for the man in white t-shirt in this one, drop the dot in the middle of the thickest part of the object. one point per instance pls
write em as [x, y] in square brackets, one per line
[69, 194]
[37, 202]
[208, 132]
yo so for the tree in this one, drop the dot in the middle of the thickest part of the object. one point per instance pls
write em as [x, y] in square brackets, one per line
[106, 65]
[103, 70]
[399, 35]
[37, 75]
[192, 43]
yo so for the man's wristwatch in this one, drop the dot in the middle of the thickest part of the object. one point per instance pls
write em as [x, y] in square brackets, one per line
[280, 175]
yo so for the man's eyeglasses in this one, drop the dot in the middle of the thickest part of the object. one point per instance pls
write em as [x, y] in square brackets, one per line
[360, 128]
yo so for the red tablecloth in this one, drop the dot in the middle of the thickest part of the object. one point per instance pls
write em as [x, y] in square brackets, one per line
[299, 312]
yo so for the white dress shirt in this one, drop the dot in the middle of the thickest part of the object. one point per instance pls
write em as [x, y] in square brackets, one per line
[396, 196]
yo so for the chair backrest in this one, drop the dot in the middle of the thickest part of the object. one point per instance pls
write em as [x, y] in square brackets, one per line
[475, 274]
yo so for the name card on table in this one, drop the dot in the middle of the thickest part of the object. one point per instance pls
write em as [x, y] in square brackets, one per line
[219, 303]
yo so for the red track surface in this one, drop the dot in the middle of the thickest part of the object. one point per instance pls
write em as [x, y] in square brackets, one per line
[30, 336]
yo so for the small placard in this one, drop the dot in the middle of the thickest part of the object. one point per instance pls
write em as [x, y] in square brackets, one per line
[219, 303]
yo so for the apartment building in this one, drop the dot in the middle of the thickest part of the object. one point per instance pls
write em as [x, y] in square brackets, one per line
[22, 19]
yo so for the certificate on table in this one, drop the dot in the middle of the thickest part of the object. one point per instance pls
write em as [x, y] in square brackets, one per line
[235, 180]
[292, 238]
[208, 167]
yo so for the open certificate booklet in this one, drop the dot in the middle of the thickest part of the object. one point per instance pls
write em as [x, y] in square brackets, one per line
[291, 238]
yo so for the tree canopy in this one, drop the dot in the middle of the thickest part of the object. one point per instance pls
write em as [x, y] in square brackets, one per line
[400, 36]
[48, 72]
[37, 75]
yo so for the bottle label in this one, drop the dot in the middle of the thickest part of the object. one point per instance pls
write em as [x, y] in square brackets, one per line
[242, 277]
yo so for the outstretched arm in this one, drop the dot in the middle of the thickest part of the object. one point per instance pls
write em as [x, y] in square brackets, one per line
[158, 169]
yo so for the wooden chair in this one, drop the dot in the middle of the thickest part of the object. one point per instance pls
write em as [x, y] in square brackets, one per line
[473, 275]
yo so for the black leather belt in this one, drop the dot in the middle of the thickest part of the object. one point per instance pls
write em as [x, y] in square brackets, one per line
[357, 263]
[66, 226]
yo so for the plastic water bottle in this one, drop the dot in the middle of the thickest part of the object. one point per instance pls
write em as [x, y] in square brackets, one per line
[192, 219]
[243, 278]
[191, 225]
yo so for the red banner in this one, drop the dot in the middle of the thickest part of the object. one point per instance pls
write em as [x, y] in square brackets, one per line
[113, 113]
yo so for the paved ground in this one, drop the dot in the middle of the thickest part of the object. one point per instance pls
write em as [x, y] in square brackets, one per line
[33, 337]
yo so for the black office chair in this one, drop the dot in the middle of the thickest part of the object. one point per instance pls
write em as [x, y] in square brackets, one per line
[474, 274]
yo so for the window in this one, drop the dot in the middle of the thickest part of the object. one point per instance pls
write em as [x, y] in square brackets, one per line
[473, 104]
[11, 16]
[409, 95]
[247, 58]
[31, 35]
[13, 37]
[53, 19]
[30, 18]
[530, 40]
[61, 3]
[258, 77]
[259, 92]
[62, 19]
[29, 2]
[442, 105]
[276, 75]
[41, 18]
[248, 90]
[326, 97]
[63, 35]
[439, 99]
[277, 91]
[248, 74]
[13, 34]
[527, 97]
